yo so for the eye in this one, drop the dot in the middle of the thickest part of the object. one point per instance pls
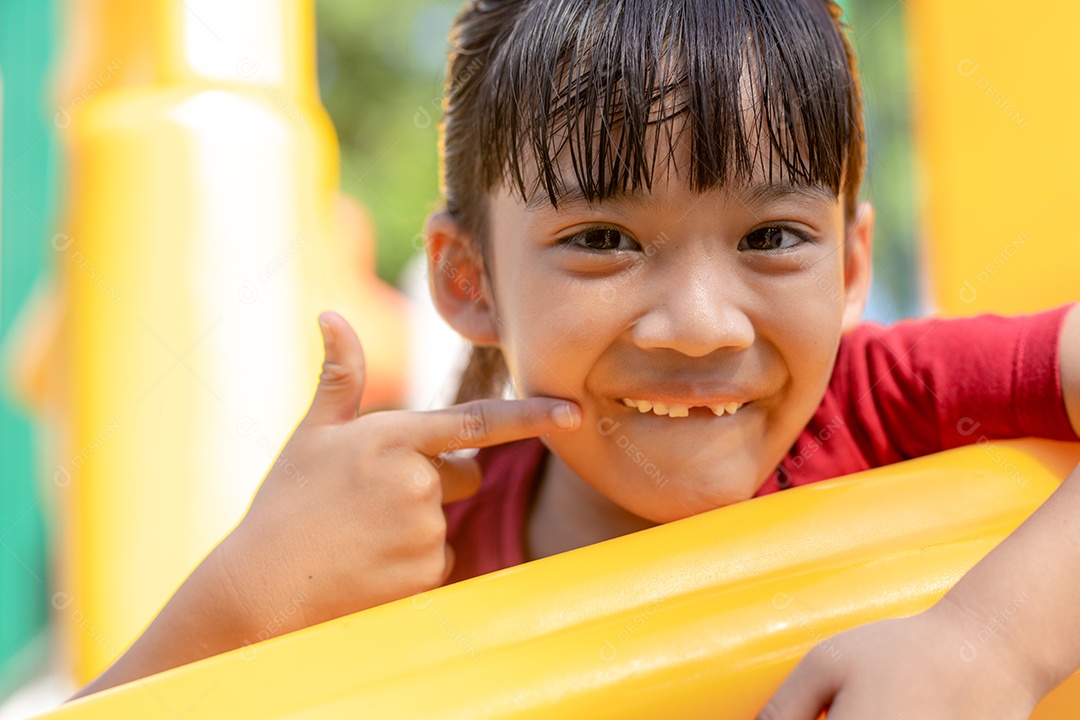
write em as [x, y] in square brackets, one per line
[600, 239]
[772, 238]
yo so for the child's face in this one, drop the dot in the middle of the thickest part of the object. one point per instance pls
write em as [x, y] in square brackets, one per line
[737, 296]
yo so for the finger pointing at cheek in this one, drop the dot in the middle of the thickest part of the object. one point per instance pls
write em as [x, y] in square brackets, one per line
[483, 423]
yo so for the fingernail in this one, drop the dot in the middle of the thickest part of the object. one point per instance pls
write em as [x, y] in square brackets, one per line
[565, 416]
[324, 329]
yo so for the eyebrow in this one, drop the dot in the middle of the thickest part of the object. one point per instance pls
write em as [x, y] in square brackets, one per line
[768, 192]
[752, 195]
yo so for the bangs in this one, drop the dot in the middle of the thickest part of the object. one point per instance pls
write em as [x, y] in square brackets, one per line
[609, 88]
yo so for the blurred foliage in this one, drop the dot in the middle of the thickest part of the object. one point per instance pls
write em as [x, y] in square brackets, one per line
[381, 68]
[880, 42]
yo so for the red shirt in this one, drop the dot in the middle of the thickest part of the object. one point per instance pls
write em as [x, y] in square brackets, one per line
[912, 389]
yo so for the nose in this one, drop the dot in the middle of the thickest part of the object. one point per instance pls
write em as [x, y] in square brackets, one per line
[696, 314]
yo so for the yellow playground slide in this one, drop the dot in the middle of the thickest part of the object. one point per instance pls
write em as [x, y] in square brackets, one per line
[699, 618]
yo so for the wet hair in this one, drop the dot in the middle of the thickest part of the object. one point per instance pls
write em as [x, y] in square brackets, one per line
[535, 85]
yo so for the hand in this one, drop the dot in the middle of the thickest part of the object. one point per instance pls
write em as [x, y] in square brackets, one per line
[943, 664]
[350, 516]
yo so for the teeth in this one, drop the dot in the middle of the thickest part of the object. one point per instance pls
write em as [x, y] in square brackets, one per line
[644, 406]
[728, 408]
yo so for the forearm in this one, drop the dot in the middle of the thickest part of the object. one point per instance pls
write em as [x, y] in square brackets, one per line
[1024, 594]
[200, 620]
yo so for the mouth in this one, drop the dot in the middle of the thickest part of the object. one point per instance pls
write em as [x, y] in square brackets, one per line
[675, 410]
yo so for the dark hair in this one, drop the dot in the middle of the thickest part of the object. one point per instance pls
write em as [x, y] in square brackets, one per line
[528, 79]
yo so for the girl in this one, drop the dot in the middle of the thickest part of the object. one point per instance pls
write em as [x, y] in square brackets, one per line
[651, 237]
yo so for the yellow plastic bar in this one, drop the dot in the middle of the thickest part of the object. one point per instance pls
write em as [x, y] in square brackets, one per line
[199, 240]
[995, 119]
[701, 618]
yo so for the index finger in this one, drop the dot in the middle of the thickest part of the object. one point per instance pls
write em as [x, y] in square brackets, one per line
[481, 423]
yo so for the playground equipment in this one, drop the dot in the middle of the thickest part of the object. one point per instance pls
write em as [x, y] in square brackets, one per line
[201, 236]
[999, 154]
[698, 618]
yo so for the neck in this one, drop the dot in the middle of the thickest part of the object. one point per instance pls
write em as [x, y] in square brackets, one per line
[568, 513]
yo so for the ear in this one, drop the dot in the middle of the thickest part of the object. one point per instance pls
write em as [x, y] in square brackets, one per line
[459, 287]
[858, 266]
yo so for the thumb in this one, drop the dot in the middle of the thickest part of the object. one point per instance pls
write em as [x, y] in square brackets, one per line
[341, 383]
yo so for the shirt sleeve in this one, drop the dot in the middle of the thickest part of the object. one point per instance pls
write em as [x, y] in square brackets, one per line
[926, 385]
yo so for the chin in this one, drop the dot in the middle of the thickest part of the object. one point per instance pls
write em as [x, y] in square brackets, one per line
[676, 501]
[719, 500]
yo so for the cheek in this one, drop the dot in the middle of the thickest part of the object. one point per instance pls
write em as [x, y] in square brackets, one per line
[803, 322]
[551, 336]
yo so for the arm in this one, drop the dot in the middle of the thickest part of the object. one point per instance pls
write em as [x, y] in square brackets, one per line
[349, 517]
[1018, 605]
[1040, 558]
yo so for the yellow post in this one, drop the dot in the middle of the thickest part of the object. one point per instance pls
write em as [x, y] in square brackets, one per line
[196, 247]
[995, 110]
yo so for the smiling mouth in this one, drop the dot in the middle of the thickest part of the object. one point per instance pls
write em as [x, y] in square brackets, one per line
[679, 410]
